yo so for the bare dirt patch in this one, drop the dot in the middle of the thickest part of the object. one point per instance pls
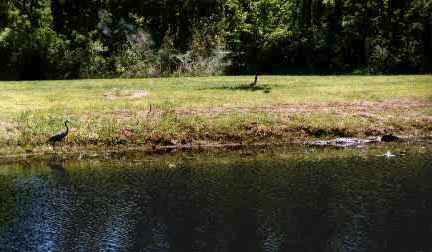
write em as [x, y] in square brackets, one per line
[6, 126]
[115, 94]
[364, 107]
[401, 109]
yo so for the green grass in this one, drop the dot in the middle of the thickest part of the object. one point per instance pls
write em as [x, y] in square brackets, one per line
[214, 109]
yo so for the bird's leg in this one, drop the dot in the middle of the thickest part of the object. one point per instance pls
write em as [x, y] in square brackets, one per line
[255, 82]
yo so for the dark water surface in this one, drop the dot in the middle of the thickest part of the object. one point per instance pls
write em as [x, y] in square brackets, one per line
[292, 199]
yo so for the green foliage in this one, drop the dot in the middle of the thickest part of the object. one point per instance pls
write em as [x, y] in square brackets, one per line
[137, 58]
[50, 39]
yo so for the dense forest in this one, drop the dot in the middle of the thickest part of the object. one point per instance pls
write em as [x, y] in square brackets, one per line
[57, 39]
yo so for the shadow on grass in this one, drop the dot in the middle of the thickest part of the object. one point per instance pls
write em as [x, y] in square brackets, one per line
[264, 88]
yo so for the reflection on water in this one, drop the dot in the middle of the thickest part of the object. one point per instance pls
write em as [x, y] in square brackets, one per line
[287, 200]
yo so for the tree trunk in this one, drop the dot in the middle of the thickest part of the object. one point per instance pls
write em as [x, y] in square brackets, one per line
[427, 38]
[58, 19]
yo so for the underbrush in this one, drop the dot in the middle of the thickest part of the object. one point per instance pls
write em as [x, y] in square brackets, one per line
[163, 126]
[160, 126]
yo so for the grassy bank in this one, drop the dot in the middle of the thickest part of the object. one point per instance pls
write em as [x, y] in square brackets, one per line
[214, 110]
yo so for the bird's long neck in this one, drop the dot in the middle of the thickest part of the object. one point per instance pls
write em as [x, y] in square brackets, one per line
[67, 128]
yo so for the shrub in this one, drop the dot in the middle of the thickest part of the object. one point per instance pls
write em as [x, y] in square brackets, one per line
[136, 57]
[197, 65]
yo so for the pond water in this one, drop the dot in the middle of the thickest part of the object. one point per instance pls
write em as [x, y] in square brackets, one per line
[289, 199]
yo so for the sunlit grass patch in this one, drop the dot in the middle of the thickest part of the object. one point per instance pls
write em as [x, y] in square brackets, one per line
[213, 109]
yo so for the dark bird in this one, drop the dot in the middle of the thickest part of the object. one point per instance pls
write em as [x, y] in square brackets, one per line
[389, 138]
[255, 82]
[59, 136]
